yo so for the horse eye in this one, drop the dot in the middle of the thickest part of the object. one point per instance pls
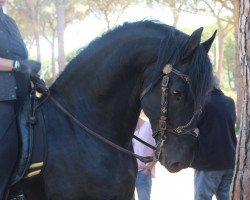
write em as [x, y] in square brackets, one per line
[177, 93]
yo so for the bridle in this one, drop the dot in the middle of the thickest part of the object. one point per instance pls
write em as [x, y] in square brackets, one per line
[180, 130]
[160, 135]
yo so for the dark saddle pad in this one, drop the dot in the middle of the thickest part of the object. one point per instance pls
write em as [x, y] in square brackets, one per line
[32, 141]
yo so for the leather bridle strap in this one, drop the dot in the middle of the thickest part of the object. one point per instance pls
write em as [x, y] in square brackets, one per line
[180, 130]
[145, 159]
[149, 87]
[145, 143]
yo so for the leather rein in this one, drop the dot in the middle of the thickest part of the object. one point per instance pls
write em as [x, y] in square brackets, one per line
[162, 122]
[145, 159]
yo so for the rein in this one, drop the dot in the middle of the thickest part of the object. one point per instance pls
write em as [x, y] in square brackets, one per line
[180, 130]
[145, 143]
[145, 159]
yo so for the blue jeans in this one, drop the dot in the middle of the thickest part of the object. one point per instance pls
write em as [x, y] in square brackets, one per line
[143, 185]
[209, 183]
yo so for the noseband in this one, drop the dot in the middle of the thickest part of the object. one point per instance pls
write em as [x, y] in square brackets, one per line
[160, 135]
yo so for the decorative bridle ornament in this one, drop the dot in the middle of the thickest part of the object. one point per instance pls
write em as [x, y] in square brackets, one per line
[160, 135]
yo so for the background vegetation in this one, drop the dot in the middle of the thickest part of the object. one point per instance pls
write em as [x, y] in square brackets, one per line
[46, 21]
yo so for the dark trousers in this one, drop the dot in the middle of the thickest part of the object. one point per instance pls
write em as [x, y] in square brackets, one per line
[8, 144]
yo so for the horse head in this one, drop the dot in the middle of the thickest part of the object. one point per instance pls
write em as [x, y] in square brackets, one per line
[180, 85]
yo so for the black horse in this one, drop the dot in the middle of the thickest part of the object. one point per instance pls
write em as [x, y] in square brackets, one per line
[105, 86]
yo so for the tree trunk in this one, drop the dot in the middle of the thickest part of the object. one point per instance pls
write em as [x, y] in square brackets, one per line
[240, 188]
[60, 33]
[176, 14]
[55, 69]
[237, 73]
[35, 23]
[220, 52]
[37, 39]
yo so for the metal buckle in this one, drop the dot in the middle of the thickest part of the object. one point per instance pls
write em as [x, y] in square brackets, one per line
[162, 125]
[164, 82]
[196, 131]
[178, 130]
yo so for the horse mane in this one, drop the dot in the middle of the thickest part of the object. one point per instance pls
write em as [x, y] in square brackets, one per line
[105, 39]
[200, 76]
[170, 51]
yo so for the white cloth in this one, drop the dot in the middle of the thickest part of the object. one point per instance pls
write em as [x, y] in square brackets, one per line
[144, 133]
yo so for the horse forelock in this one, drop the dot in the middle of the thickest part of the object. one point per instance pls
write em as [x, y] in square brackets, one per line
[200, 72]
[200, 75]
[170, 50]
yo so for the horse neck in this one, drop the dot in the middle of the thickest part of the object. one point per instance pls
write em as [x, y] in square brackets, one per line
[105, 95]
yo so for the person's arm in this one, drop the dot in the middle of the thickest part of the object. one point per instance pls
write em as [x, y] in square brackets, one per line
[6, 65]
[19, 66]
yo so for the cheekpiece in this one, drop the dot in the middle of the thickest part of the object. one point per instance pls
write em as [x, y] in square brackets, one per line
[167, 69]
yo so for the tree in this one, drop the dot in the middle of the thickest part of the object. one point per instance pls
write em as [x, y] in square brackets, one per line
[48, 31]
[109, 10]
[229, 61]
[47, 18]
[237, 70]
[240, 188]
[60, 21]
[222, 11]
[28, 13]
[176, 6]
[66, 12]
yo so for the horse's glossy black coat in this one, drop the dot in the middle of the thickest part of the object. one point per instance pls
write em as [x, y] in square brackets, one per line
[101, 87]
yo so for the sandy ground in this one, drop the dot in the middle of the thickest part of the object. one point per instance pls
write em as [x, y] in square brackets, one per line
[168, 186]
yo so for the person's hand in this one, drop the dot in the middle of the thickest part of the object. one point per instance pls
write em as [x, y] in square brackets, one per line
[146, 171]
[27, 66]
[39, 83]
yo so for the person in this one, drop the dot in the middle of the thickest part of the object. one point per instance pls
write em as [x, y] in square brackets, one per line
[214, 160]
[15, 72]
[145, 170]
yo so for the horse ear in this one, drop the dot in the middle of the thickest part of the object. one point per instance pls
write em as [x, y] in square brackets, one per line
[207, 44]
[193, 41]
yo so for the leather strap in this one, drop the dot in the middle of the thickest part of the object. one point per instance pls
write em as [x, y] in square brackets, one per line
[141, 158]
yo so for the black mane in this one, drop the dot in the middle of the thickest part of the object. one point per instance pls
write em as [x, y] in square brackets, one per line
[92, 50]
[200, 76]
[170, 51]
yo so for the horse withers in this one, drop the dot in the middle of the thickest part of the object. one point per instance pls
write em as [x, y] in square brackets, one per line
[143, 65]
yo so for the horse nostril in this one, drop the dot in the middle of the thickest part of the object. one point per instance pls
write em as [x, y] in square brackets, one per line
[176, 165]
